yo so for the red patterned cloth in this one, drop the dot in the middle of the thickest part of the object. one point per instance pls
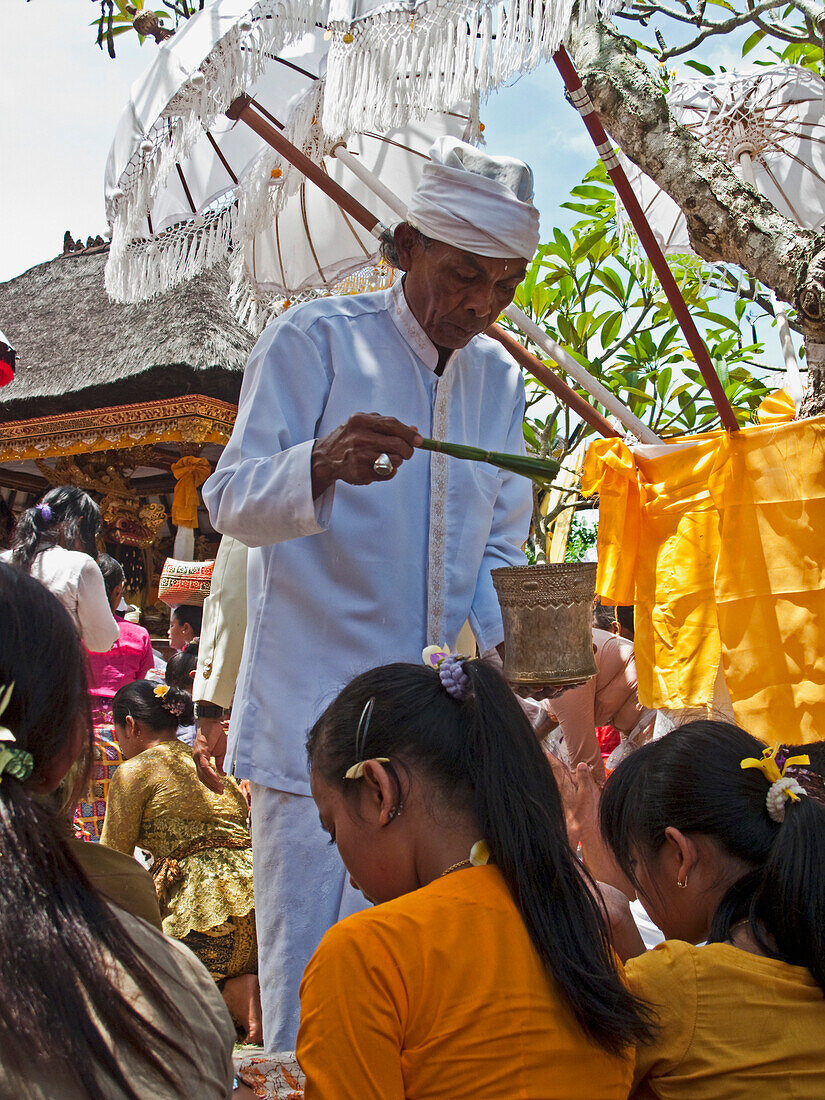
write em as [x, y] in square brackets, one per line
[91, 810]
[608, 738]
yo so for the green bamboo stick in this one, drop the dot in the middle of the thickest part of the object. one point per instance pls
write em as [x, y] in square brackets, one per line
[540, 470]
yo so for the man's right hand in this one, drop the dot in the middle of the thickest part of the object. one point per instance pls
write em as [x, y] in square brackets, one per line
[210, 745]
[348, 452]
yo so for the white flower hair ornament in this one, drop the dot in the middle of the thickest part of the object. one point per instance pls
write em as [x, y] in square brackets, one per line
[783, 788]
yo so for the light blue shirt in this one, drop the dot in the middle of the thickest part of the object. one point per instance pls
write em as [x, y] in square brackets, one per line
[366, 574]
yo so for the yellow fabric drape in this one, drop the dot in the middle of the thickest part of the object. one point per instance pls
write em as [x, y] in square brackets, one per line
[658, 544]
[719, 540]
[777, 408]
[189, 472]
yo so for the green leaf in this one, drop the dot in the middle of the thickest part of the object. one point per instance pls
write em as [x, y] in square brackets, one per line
[611, 281]
[752, 41]
[611, 328]
[705, 70]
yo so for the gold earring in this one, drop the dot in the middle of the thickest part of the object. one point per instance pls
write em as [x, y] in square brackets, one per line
[682, 885]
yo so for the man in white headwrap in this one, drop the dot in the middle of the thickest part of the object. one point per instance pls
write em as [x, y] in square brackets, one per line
[364, 549]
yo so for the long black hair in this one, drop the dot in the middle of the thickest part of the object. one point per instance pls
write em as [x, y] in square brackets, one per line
[160, 707]
[58, 996]
[691, 780]
[65, 517]
[481, 755]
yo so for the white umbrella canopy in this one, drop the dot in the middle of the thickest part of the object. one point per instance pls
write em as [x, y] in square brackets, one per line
[775, 118]
[173, 217]
[169, 191]
[295, 238]
[389, 61]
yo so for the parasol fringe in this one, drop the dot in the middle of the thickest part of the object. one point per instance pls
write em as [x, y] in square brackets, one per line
[398, 65]
[150, 267]
[233, 66]
[256, 304]
[262, 198]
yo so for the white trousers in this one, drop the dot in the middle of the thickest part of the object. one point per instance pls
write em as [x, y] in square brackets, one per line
[301, 889]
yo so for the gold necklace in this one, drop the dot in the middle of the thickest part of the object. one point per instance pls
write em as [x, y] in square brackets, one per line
[456, 867]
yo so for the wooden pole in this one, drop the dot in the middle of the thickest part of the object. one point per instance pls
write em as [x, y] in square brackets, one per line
[565, 393]
[243, 108]
[604, 147]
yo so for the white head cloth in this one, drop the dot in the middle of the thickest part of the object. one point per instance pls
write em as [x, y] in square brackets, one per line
[476, 202]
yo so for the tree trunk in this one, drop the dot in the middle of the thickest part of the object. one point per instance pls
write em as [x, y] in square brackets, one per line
[727, 219]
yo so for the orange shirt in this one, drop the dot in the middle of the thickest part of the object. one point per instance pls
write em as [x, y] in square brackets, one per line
[440, 994]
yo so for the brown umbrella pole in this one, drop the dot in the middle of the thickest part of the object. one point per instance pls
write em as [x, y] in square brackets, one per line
[565, 393]
[604, 147]
[244, 108]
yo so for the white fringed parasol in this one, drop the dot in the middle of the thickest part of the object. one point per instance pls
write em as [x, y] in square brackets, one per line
[176, 160]
[175, 108]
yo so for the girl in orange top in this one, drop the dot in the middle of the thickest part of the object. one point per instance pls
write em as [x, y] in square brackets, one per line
[469, 979]
[723, 841]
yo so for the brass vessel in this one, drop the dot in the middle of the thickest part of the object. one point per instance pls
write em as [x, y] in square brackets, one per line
[547, 613]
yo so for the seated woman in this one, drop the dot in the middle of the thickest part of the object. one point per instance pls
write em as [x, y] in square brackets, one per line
[95, 1002]
[469, 979]
[723, 840]
[199, 841]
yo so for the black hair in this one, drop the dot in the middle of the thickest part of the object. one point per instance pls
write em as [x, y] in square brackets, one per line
[691, 780]
[626, 619]
[389, 249]
[65, 517]
[482, 756]
[603, 617]
[59, 1000]
[189, 615]
[147, 702]
[180, 665]
[112, 572]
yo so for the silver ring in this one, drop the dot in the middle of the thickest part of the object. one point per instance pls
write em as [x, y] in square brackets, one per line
[383, 466]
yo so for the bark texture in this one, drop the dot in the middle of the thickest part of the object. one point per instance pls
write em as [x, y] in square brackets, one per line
[727, 220]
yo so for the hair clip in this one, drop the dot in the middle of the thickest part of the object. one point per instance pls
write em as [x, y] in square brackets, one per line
[357, 769]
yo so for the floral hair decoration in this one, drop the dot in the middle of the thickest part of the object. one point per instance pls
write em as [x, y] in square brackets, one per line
[449, 666]
[45, 512]
[14, 762]
[173, 707]
[783, 788]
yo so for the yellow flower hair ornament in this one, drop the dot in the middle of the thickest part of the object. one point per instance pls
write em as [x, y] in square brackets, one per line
[782, 787]
[17, 763]
[161, 690]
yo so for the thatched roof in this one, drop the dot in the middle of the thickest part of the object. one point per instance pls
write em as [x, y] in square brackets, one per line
[77, 350]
